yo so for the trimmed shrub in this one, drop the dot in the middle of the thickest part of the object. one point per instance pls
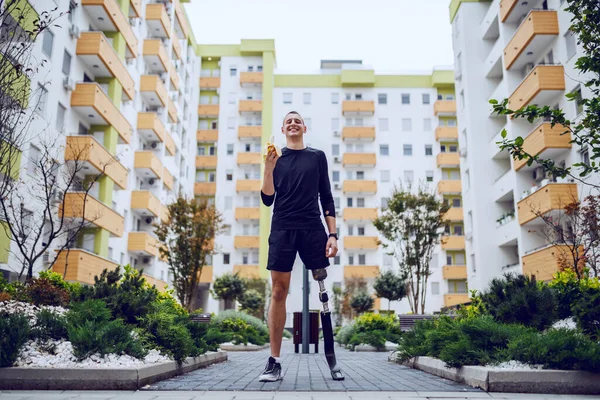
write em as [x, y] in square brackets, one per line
[586, 312]
[49, 325]
[345, 333]
[14, 332]
[262, 330]
[42, 292]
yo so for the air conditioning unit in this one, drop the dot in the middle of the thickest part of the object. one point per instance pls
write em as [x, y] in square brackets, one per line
[336, 160]
[155, 145]
[46, 257]
[151, 182]
[74, 31]
[69, 84]
[146, 260]
[149, 220]
[336, 133]
[538, 174]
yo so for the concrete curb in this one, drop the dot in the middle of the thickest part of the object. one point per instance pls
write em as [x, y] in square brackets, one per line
[243, 347]
[133, 378]
[513, 381]
[368, 347]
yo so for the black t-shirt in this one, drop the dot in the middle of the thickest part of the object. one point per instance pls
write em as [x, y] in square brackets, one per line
[300, 178]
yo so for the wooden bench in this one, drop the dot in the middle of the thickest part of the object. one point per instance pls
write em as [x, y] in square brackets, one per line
[201, 318]
[407, 322]
[313, 324]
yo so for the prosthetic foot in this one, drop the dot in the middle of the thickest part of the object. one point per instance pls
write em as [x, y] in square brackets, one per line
[336, 373]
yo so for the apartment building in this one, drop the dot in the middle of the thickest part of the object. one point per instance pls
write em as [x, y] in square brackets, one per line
[523, 51]
[120, 87]
[376, 130]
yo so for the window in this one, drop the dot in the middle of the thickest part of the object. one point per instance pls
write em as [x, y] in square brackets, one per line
[226, 258]
[229, 149]
[336, 260]
[66, 67]
[228, 203]
[427, 124]
[456, 203]
[578, 98]
[585, 156]
[451, 122]
[385, 175]
[360, 202]
[429, 176]
[426, 98]
[435, 288]
[232, 97]
[406, 124]
[250, 68]
[308, 123]
[349, 202]
[350, 259]
[362, 259]
[336, 176]
[306, 98]
[387, 260]
[360, 175]
[233, 71]
[570, 43]
[34, 157]
[458, 230]
[60, 117]
[287, 98]
[382, 98]
[335, 149]
[384, 202]
[407, 148]
[428, 150]
[229, 175]
[457, 286]
[48, 43]
[405, 98]
[384, 150]
[41, 98]
[336, 201]
[361, 231]
[335, 98]
[409, 176]
[350, 230]
[335, 124]
[383, 124]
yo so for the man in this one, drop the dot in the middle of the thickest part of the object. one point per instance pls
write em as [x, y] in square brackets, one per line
[295, 181]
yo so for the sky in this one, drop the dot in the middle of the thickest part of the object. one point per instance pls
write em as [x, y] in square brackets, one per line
[387, 35]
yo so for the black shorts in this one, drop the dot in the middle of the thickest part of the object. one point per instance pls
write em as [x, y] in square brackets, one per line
[285, 243]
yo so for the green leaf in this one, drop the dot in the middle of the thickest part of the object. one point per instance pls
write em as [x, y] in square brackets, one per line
[503, 133]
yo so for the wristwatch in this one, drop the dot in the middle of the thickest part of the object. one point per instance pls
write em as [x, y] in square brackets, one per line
[334, 235]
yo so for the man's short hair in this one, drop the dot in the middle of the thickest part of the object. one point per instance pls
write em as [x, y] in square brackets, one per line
[294, 112]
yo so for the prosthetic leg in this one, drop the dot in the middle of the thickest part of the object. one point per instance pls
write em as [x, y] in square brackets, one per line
[336, 373]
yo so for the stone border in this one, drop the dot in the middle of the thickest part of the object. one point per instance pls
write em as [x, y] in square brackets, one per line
[368, 347]
[133, 378]
[513, 380]
[243, 347]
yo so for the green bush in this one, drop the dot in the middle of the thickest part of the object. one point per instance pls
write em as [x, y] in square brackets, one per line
[519, 299]
[49, 325]
[56, 279]
[557, 349]
[261, 328]
[586, 312]
[14, 332]
[414, 343]
[287, 334]
[42, 292]
[345, 333]
[91, 331]
[372, 329]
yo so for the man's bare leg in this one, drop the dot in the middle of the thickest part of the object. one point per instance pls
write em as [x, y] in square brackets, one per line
[277, 311]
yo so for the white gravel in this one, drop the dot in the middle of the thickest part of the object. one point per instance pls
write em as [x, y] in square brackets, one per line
[30, 310]
[568, 323]
[514, 365]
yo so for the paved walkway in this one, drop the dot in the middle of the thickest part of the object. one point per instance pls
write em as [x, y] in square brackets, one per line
[364, 371]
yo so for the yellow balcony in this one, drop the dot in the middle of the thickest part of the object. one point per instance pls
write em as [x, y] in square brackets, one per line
[446, 133]
[94, 50]
[206, 276]
[172, 111]
[444, 108]
[454, 272]
[534, 35]
[359, 159]
[358, 107]
[359, 186]
[96, 108]
[164, 213]
[449, 187]
[361, 242]
[155, 55]
[145, 203]
[88, 152]
[174, 78]
[208, 110]
[358, 133]
[448, 160]
[359, 214]
[167, 179]
[153, 91]
[159, 23]
[245, 132]
[182, 28]
[361, 271]
[248, 185]
[210, 82]
[108, 17]
[247, 213]
[542, 84]
[176, 50]
[170, 144]
[251, 79]
[150, 127]
[250, 106]
[135, 11]
[453, 242]
[147, 164]
[92, 211]
[553, 196]
[207, 135]
[81, 266]
[160, 285]
[454, 214]
[249, 158]
[506, 7]
[247, 271]
[142, 243]
[206, 162]
[246, 242]
[452, 299]
[546, 262]
[205, 188]
[545, 141]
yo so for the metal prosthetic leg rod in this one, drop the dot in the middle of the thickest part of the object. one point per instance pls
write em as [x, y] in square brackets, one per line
[336, 373]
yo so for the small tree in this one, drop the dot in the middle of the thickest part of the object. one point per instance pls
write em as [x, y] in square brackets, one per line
[259, 285]
[390, 286]
[362, 302]
[187, 241]
[351, 287]
[413, 224]
[228, 287]
[252, 302]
